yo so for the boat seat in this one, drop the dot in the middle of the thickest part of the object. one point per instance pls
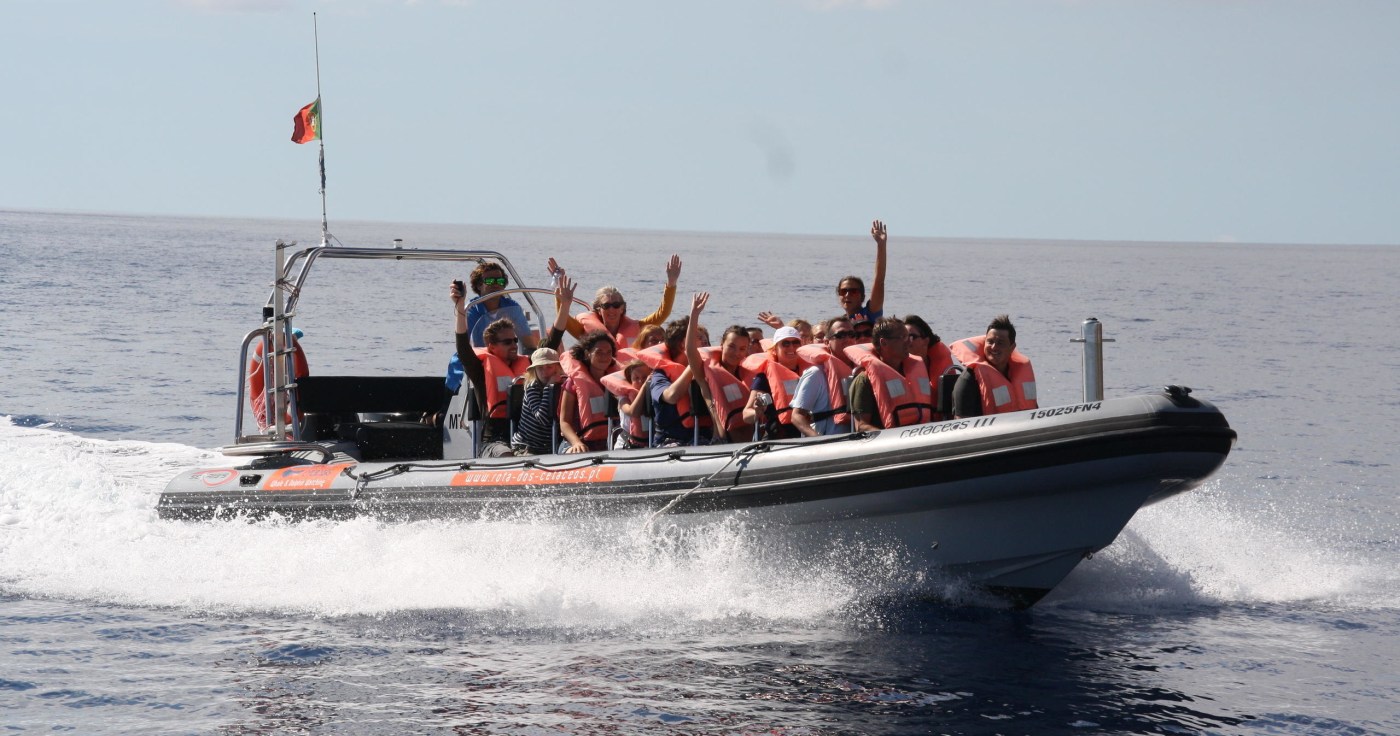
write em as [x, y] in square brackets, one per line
[946, 382]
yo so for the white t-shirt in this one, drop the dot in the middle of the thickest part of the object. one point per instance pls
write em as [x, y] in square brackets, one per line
[812, 395]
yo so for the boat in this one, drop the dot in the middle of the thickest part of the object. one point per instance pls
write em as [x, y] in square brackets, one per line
[1008, 502]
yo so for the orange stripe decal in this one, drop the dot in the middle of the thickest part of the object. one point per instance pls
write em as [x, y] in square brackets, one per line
[304, 477]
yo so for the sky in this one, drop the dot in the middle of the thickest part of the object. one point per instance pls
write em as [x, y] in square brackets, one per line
[1120, 120]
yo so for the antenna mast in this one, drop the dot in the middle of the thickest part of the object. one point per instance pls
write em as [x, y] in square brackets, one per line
[325, 227]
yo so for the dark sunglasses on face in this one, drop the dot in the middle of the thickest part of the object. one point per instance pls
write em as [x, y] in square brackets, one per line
[612, 305]
[506, 341]
[494, 281]
[849, 290]
[790, 343]
[842, 335]
[865, 331]
[917, 336]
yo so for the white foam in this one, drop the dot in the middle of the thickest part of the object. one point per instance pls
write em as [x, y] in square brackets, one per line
[77, 520]
[1201, 548]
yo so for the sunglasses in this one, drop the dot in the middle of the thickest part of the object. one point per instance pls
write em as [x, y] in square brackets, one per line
[507, 341]
[917, 336]
[849, 290]
[790, 344]
[842, 335]
[865, 331]
[494, 281]
[612, 305]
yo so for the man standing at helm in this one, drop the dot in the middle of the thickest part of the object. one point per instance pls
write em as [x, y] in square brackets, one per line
[998, 378]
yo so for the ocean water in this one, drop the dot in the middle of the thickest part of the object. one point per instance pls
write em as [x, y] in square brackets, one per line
[1264, 602]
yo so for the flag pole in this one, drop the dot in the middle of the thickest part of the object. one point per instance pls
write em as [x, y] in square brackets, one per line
[325, 227]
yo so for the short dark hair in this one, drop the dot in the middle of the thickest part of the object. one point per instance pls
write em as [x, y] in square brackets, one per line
[495, 328]
[1003, 322]
[675, 336]
[580, 351]
[885, 328]
[858, 282]
[479, 273]
[915, 320]
[739, 330]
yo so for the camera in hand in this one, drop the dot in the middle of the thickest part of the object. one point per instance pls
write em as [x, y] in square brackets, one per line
[461, 287]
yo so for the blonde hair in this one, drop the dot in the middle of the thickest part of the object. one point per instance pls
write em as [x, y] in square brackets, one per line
[646, 334]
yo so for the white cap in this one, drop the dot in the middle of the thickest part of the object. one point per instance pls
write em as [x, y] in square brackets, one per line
[786, 333]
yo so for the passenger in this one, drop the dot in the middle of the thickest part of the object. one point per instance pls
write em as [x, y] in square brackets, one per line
[925, 345]
[819, 332]
[650, 335]
[583, 413]
[534, 431]
[755, 340]
[674, 421]
[883, 397]
[775, 375]
[863, 328]
[819, 405]
[851, 290]
[804, 330]
[488, 278]
[629, 386]
[257, 388]
[610, 309]
[495, 368]
[999, 378]
[723, 388]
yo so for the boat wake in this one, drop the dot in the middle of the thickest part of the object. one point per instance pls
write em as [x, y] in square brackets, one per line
[77, 521]
[1201, 550]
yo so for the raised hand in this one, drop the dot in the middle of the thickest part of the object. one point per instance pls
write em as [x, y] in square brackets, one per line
[673, 270]
[697, 304]
[877, 231]
[553, 266]
[770, 319]
[564, 292]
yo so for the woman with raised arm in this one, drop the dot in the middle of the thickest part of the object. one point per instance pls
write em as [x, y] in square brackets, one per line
[609, 312]
[723, 387]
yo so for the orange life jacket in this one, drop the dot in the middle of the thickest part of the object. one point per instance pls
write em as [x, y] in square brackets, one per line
[782, 381]
[834, 369]
[257, 381]
[617, 384]
[627, 329]
[500, 375]
[1000, 393]
[592, 399]
[657, 358]
[730, 394]
[904, 397]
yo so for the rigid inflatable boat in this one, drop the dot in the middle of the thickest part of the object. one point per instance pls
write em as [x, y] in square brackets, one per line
[1011, 502]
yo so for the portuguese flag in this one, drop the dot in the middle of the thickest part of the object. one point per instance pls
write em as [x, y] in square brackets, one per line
[307, 123]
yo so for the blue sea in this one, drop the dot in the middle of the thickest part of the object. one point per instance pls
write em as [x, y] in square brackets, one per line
[1265, 602]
